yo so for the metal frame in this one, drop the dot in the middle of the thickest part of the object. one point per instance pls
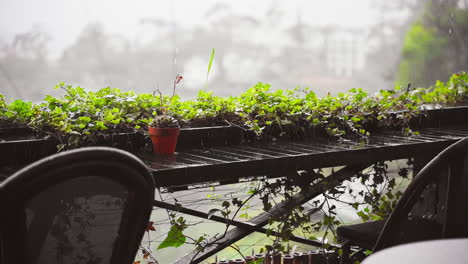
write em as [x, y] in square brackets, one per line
[224, 165]
[210, 166]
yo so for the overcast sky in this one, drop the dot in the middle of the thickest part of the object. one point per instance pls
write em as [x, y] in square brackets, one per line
[64, 19]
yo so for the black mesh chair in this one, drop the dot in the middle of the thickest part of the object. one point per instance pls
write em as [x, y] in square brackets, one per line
[433, 206]
[90, 205]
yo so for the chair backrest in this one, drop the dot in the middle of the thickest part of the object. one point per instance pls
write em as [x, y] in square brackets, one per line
[443, 182]
[90, 205]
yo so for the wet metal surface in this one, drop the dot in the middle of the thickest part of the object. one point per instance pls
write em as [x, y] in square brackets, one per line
[218, 164]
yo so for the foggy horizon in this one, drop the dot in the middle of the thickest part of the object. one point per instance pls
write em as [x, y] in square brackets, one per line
[329, 46]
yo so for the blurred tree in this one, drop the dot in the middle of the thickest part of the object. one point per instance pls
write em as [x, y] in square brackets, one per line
[386, 37]
[87, 56]
[436, 45]
[97, 59]
[23, 65]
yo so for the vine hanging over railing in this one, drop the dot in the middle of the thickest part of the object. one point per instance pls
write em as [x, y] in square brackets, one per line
[373, 193]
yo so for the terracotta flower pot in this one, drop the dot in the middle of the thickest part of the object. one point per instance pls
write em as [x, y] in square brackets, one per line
[164, 139]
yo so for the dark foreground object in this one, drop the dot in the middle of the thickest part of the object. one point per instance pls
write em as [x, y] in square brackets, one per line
[90, 205]
[432, 207]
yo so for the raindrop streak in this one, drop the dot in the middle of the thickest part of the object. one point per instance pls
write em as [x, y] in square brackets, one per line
[176, 53]
[174, 66]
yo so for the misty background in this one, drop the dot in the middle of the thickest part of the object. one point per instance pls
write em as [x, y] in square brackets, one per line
[329, 46]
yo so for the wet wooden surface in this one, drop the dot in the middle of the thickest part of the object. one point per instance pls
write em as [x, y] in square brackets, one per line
[231, 164]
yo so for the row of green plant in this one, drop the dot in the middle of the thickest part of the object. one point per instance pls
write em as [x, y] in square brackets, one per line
[84, 114]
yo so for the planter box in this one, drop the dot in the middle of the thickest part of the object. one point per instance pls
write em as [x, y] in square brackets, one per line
[431, 118]
[206, 137]
[16, 144]
[15, 131]
[131, 142]
[19, 150]
[443, 117]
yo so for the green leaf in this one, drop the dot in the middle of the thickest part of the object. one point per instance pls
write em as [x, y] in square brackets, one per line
[85, 119]
[175, 238]
[363, 215]
[245, 215]
[211, 60]
[209, 66]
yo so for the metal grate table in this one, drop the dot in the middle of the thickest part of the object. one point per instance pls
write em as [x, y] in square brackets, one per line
[224, 165]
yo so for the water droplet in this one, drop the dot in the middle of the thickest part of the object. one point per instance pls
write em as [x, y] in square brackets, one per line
[450, 31]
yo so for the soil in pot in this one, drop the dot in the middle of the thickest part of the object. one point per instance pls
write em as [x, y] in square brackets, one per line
[164, 139]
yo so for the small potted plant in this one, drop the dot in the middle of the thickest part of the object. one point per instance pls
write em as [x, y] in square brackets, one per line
[164, 129]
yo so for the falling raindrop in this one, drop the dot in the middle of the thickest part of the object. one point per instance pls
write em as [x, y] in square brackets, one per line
[176, 53]
[450, 31]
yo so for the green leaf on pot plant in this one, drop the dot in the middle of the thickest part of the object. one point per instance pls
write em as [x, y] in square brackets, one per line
[175, 238]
